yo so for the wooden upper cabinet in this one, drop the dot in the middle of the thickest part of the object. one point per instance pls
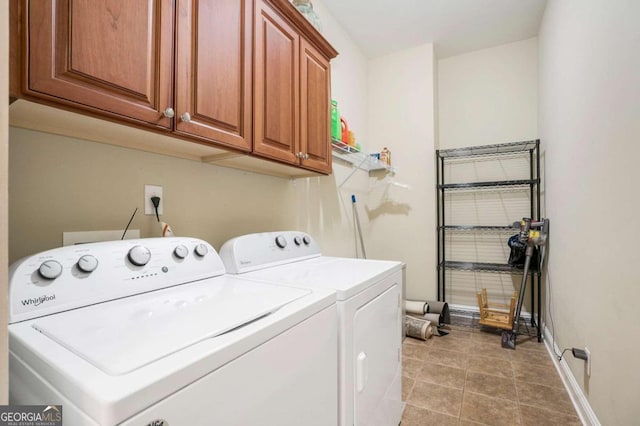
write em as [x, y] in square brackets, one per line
[213, 70]
[291, 88]
[276, 81]
[244, 75]
[315, 109]
[108, 55]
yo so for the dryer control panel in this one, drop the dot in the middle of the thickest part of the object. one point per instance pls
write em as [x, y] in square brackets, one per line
[70, 277]
[258, 251]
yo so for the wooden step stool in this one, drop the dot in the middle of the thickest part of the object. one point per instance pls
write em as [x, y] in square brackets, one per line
[496, 314]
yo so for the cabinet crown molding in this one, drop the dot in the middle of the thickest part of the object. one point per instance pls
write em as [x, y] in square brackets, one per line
[289, 11]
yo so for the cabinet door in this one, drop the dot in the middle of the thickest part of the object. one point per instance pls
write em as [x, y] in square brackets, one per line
[213, 70]
[315, 123]
[114, 56]
[276, 81]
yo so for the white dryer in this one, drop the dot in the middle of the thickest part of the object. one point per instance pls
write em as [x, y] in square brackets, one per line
[152, 332]
[369, 294]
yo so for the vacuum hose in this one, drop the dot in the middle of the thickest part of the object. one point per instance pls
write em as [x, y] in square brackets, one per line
[525, 273]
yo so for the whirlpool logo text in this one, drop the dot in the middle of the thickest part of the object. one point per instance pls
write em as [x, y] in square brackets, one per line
[37, 301]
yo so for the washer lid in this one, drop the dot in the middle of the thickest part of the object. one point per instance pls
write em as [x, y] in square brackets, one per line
[123, 335]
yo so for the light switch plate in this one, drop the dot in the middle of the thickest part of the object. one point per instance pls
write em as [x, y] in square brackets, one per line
[152, 191]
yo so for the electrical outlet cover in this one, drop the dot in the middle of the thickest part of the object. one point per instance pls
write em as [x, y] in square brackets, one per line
[152, 191]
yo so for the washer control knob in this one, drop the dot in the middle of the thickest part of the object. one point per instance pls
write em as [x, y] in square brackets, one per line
[181, 251]
[297, 240]
[201, 250]
[281, 241]
[307, 240]
[87, 263]
[50, 269]
[139, 255]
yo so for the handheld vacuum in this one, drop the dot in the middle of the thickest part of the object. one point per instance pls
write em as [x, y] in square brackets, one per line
[532, 234]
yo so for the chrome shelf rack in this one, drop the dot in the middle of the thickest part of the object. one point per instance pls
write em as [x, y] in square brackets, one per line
[489, 151]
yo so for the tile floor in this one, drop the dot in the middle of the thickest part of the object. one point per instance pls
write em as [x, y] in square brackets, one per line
[466, 378]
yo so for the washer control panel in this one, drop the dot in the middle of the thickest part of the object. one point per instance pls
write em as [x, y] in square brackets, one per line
[74, 276]
[257, 251]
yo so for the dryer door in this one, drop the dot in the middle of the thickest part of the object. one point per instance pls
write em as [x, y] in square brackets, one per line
[377, 360]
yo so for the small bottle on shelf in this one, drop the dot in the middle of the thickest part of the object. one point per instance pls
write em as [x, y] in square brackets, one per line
[344, 131]
[385, 156]
[336, 127]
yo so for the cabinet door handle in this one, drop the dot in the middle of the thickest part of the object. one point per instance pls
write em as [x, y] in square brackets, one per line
[186, 117]
[169, 112]
[306, 156]
[299, 155]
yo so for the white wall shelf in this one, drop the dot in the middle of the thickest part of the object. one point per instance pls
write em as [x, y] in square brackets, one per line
[357, 158]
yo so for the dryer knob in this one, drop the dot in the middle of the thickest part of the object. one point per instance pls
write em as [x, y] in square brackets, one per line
[281, 241]
[139, 255]
[50, 269]
[307, 240]
[87, 263]
[297, 240]
[201, 250]
[181, 251]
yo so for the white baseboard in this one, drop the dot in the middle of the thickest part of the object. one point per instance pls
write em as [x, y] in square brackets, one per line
[578, 398]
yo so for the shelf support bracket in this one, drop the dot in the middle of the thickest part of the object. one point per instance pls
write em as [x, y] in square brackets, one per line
[355, 169]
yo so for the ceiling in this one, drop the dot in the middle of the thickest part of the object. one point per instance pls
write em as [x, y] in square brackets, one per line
[380, 27]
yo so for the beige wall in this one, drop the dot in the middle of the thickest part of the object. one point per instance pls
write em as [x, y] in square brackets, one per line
[348, 75]
[401, 110]
[63, 184]
[488, 96]
[590, 126]
[4, 96]
[321, 205]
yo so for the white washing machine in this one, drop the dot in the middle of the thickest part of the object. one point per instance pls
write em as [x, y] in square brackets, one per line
[369, 294]
[152, 332]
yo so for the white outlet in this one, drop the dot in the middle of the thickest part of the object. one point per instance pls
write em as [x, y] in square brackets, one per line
[152, 191]
[588, 361]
